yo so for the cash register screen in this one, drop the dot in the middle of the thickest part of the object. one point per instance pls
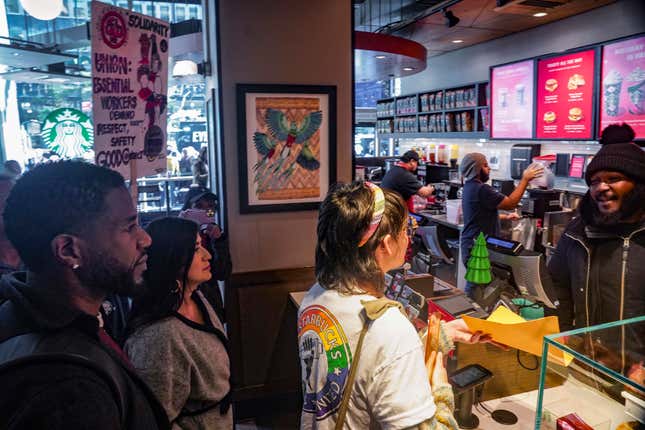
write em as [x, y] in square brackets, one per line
[419, 218]
[500, 242]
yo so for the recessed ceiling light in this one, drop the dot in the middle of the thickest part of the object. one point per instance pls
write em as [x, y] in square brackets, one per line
[457, 41]
[380, 57]
[408, 69]
[15, 54]
[539, 14]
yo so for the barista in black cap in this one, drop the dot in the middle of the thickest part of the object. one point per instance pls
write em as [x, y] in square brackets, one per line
[481, 202]
[401, 178]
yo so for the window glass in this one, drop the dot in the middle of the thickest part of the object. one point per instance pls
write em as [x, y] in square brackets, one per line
[364, 141]
[27, 99]
[180, 12]
[164, 12]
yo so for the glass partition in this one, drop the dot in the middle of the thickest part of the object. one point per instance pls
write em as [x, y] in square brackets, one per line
[598, 373]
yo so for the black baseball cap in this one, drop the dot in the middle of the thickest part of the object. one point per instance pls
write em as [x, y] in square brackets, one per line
[410, 155]
[197, 193]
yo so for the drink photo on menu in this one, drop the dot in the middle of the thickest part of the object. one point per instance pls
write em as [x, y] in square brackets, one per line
[622, 86]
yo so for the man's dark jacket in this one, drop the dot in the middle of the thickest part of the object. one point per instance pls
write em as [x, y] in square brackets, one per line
[55, 373]
[589, 259]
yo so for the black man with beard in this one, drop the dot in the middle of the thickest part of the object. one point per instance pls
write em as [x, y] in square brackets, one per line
[75, 229]
[598, 267]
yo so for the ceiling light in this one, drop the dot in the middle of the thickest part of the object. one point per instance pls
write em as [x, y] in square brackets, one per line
[45, 10]
[457, 41]
[408, 69]
[450, 19]
[184, 68]
[539, 14]
[380, 57]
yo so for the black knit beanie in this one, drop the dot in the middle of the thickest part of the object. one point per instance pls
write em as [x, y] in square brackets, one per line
[626, 158]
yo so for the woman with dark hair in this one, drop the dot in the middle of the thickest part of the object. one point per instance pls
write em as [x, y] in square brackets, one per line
[177, 343]
[362, 361]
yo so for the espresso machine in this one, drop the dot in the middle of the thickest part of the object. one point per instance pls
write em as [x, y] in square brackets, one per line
[521, 157]
[539, 202]
[432, 173]
[534, 207]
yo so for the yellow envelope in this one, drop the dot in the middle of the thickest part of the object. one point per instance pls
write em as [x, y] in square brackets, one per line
[511, 329]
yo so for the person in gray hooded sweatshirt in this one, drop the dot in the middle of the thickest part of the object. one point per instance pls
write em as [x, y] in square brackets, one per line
[481, 202]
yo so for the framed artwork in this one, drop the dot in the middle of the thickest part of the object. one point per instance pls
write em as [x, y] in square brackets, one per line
[287, 146]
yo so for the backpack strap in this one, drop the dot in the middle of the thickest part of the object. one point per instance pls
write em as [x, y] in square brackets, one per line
[75, 360]
[372, 310]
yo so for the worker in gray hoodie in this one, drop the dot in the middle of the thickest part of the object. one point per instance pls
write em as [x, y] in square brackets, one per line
[481, 202]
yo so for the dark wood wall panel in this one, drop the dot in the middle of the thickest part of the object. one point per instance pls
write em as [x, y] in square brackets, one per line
[262, 330]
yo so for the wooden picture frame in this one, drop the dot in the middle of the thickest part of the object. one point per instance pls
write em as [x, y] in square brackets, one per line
[286, 146]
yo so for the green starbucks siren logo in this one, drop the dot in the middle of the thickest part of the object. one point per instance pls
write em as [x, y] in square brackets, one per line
[68, 132]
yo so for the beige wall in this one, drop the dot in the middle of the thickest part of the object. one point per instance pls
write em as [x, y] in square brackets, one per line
[283, 42]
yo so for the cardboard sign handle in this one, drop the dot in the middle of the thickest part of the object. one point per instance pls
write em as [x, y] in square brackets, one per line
[134, 188]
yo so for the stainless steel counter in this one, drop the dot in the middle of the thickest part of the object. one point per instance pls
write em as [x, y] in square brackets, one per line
[441, 219]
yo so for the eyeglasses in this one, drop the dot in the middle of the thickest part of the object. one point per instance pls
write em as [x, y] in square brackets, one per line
[411, 227]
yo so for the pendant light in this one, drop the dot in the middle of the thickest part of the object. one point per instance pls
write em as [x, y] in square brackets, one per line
[45, 10]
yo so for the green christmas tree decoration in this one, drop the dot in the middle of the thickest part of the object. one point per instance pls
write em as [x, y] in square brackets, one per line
[478, 270]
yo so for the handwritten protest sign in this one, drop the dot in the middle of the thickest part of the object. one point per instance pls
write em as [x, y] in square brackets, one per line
[129, 86]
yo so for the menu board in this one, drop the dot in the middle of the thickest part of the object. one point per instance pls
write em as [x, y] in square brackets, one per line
[622, 88]
[512, 101]
[565, 96]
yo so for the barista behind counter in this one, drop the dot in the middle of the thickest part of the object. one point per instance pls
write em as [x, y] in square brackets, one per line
[480, 202]
[401, 179]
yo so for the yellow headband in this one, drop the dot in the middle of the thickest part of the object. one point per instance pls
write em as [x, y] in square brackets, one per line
[377, 215]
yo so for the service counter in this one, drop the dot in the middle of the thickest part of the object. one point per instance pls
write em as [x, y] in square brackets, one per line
[531, 387]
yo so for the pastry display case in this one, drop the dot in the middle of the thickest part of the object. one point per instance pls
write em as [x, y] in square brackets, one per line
[600, 378]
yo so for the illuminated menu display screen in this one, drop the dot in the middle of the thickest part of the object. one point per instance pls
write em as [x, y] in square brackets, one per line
[622, 85]
[565, 96]
[512, 101]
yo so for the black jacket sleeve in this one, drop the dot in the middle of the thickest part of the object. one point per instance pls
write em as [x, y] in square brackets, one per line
[560, 273]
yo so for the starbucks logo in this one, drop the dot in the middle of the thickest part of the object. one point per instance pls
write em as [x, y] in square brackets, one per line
[68, 132]
[325, 358]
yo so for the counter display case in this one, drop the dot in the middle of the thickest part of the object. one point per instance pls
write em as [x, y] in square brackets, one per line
[602, 378]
